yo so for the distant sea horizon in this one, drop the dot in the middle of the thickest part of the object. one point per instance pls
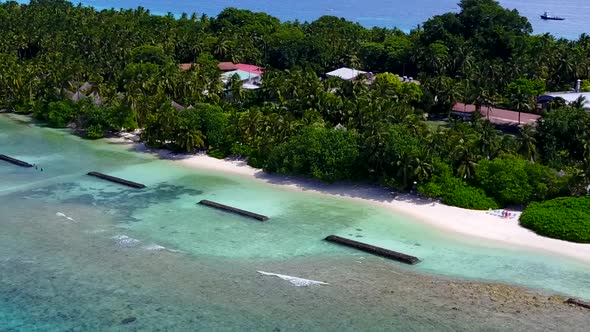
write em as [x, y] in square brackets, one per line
[404, 15]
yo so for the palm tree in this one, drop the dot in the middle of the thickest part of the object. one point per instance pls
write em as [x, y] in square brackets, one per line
[423, 165]
[445, 91]
[579, 103]
[489, 139]
[221, 47]
[463, 60]
[249, 123]
[462, 148]
[527, 140]
[133, 100]
[521, 102]
[189, 139]
[466, 161]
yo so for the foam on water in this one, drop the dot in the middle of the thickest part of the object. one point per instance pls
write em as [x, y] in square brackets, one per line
[63, 215]
[154, 247]
[126, 241]
[157, 247]
[95, 231]
[295, 281]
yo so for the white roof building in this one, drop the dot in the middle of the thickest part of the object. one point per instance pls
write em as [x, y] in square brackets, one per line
[243, 75]
[250, 86]
[346, 74]
[569, 97]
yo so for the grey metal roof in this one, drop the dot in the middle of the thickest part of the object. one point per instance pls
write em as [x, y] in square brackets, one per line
[570, 97]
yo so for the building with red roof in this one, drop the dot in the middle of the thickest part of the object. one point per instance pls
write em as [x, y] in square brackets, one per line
[252, 69]
[185, 66]
[496, 115]
[227, 66]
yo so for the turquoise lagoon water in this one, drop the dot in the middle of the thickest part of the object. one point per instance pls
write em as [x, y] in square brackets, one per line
[108, 263]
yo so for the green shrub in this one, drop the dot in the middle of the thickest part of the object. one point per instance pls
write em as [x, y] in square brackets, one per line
[95, 132]
[210, 120]
[325, 154]
[96, 119]
[240, 149]
[216, 153]
[468, 197]
[431, 189]
[256, 162]
[565, 218]
[513, 180]
[60, 114]
[454, 191]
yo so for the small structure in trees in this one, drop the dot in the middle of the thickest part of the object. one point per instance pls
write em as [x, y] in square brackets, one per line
[348, 74]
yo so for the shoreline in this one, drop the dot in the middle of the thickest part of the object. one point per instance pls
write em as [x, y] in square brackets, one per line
[469, 225]
[502, 293]
[452, 220]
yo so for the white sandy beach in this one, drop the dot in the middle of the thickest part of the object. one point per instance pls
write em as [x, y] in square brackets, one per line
[475, 224]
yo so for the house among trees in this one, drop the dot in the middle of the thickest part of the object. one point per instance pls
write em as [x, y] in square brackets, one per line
[578, 99]
[185, 66]
[250, 68]
[230, 66]
[347, 74]
[250, 81]
[177, 106]
[496, 116]
[81, 91]
[227, 66]
[406, 79]
[250, 75]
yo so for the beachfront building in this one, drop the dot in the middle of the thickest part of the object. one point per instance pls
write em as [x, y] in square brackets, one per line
[81, 91]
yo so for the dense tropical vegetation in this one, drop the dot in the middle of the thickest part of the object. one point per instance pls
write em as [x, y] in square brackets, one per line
[565, 218]
[106, 71]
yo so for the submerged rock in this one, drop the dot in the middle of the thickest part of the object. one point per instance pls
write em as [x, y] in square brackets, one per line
[128, 320]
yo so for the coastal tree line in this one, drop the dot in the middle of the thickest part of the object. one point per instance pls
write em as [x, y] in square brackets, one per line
[105, 71]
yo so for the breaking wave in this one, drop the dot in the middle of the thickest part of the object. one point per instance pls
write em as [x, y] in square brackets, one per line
[295, 281]
[63, 215]
[126, 241]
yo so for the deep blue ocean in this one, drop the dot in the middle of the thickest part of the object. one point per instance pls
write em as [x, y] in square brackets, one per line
[402, 14]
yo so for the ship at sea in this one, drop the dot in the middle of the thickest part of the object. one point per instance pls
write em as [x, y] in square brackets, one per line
[547, 16]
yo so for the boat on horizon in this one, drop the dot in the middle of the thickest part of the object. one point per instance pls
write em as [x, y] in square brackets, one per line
[547, 16]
